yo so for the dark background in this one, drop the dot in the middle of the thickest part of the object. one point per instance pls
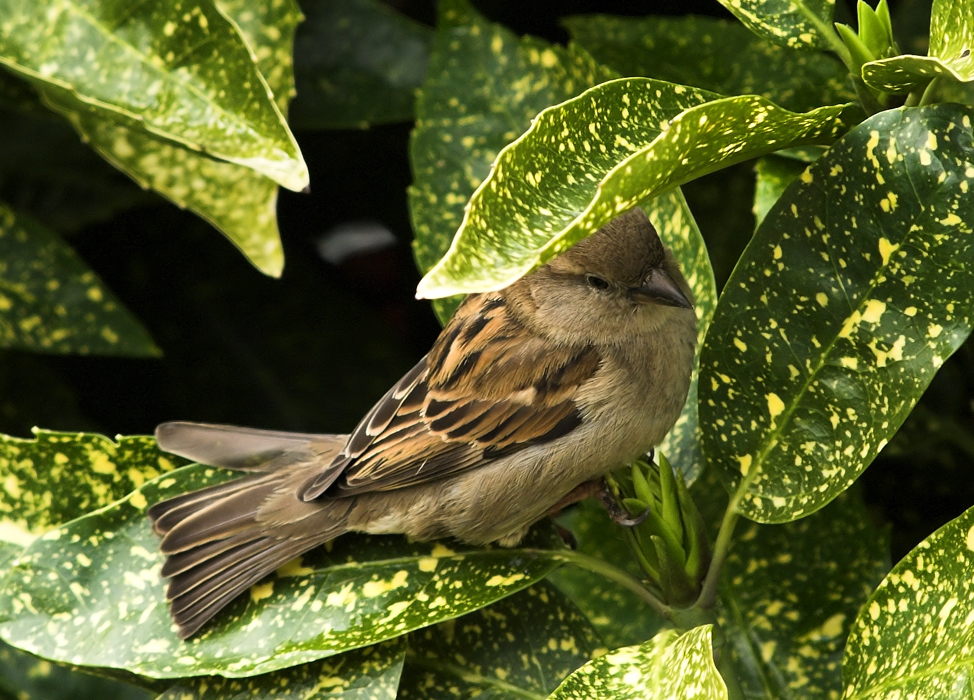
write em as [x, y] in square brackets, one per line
[313, 350]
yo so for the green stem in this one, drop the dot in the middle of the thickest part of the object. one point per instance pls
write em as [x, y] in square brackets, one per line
[930, 92]
[830, 35]
[729, 674]
[708, 592]
[614, 573]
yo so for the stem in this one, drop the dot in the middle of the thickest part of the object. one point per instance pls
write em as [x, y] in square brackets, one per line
[930, 92]
[729, 674]
[708, 592]
[614, 573]
[830, 35]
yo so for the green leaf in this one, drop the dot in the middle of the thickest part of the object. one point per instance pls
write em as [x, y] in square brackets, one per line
[370, 673]
[713, 54]
[190, 80]
[99, 575]
[522, 646]
[797, 24]
[589, 159]
[26, 677]
[483, 87]
[57, 477]
[790, 594]
[359, 62]
[619, 616]
[950, 53]
[774, 174]
[913, 638]
[50, 301]
[673, 220]
[668, 666]
[849, 297]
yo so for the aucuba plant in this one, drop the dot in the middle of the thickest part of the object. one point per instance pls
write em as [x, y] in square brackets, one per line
[751, 567]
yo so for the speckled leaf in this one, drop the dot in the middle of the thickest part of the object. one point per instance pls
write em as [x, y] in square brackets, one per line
[774, 174]
[51, 301]
[359, 63]
[27, 677]
[668, 666]
[588, 159]
[370, 673]
[176, 69]
[713, 54]
[100, 575]
[848, 299]
[483, 87]
[791, 592]
[913, 638]
[950, 52]
[57, 477]
[797, 24]
[620, 617]
[522, 646]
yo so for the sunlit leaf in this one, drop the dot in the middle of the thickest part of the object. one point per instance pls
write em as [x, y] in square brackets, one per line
[99, 575]
[848, 299]
[51, 302]
[191, 80]
[524, 645]
[483, 87]
[713, 54]
[371, 673]
[668, 666]
[359, 63]
[914, 638]
[950, 53]
[774, 174]
[585, 161]
[798, 24]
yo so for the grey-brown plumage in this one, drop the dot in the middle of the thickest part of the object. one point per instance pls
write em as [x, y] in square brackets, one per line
[528, 392]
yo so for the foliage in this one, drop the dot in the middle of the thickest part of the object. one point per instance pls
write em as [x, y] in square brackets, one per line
[758, 571]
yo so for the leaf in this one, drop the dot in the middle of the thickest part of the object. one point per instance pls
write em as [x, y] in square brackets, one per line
[483, 87]
[913, 638]
[618, 615]
[26, 677]
[847, 300]
[790, 593]
[774, 174]
[712, 54]
[51, 302]
[673, 220]
[587, 160]
[951, 44]
[522, 646]
[359, 62]
[370, 673]
[57, 477]
[99, 575]
[191, 81]
[797, 24]
[668, 666]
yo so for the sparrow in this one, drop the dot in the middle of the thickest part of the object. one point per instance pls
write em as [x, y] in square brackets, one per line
[528, 394]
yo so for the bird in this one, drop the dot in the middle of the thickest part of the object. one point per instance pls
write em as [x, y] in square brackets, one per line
[529, 395]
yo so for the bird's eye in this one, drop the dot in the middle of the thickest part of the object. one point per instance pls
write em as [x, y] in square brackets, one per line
[596, 282]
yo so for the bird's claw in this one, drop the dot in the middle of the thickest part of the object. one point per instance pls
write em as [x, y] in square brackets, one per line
[617, 512]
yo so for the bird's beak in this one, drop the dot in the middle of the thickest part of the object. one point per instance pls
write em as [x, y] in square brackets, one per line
[659, 288]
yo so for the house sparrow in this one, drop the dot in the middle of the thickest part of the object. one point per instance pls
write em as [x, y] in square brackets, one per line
[528, 393]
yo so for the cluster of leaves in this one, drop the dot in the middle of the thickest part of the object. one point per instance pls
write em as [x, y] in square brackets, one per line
[852, 292]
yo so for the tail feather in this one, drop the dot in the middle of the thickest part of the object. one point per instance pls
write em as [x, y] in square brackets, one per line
[224, 538]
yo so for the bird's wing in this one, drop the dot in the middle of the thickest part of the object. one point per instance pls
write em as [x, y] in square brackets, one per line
[487, 389]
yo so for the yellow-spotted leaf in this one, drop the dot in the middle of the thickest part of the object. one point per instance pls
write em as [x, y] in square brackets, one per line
[797, 24]
[371, 673]
[97, 578]
[774, 174]
[51, 302]
[587, 160]
[178, 69]
[852, 293]
[950, 53]
[668, 666]
[522, 646]
[359, 63]
[913, 638]
[713, 54]
[483, 87]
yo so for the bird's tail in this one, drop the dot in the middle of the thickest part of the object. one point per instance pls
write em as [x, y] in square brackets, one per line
[223, 539]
